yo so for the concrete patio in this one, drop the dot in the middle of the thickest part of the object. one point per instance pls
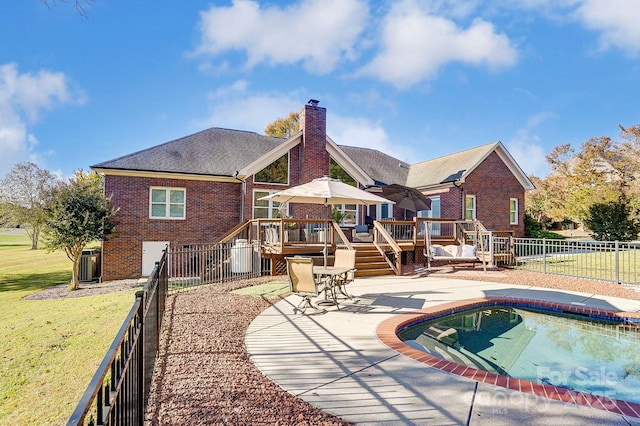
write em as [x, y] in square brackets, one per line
[336, 362]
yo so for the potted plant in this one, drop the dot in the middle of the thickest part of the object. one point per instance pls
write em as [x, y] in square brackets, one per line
[293, 233]
[337, 215]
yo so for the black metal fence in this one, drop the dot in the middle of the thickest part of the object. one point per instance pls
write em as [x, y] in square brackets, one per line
[119, 390]
[198, 264]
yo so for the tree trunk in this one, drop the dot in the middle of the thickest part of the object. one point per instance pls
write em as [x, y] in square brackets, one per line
[75, 277]
[35, 236]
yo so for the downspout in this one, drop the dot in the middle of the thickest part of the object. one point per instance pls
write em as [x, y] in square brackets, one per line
[243, 195]
[458, 184]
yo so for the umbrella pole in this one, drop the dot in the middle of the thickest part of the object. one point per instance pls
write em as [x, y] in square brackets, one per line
[325, 251]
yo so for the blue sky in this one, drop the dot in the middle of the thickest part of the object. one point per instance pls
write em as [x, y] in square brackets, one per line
[415, 79]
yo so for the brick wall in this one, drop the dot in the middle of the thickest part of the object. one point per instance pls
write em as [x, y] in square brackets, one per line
[212, 208]
[493, 184]
[450, 204]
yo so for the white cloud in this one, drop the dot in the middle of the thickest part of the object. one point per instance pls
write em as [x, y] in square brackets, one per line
[528, 153]
[362, 132]
[23, 98]
[616, 21]
[318, 33]
[237, 107]
[525, 146]
[416, 44]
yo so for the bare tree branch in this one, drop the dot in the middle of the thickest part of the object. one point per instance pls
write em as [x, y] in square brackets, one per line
[79, 5]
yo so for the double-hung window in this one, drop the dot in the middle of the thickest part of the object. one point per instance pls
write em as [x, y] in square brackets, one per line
[167, 203]
[513, 211]
[266, 209]
[470, 207]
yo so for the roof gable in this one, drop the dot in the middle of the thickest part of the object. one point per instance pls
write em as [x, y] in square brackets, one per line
[458, 166]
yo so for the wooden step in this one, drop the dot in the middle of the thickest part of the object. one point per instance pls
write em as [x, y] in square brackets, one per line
[370, 263]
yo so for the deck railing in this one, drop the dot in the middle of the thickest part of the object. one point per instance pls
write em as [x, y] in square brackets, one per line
[277, 233]
[119, 390]
[387, 245]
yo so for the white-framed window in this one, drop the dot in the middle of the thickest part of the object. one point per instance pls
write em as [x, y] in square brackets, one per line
[384, 211]
[513, 211]
[434, 212]
[435, 208]
[167, 203]
[469, 206]
[350, 212]
[266, 209]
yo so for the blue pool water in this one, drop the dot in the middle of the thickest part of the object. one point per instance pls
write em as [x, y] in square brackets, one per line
[567, 351]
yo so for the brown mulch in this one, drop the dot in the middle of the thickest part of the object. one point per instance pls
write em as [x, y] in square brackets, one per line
[204, 375]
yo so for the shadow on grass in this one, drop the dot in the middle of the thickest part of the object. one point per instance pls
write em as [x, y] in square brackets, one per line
[33, 282]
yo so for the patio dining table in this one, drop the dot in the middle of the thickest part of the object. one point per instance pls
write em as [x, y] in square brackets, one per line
[329, 275]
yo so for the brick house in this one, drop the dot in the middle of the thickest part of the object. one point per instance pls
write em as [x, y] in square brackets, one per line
[194, 189]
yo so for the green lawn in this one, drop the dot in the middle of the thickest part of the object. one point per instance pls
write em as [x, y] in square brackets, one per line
[49, 349]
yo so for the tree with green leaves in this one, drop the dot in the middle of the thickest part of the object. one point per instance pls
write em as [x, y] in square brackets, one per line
[78, 213]
[601, 171]
[613, 221]
[23, 192]
[284, 127]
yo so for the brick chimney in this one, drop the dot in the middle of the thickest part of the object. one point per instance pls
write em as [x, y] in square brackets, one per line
[313, 154]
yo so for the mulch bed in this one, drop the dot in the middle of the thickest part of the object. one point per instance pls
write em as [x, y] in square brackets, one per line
[204, 375]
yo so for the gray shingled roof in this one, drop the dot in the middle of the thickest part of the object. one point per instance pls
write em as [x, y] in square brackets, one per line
[382, 168]
[215, 151]
[447, 168]
[222, 152]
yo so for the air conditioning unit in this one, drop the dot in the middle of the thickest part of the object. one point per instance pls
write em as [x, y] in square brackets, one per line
[89, 266]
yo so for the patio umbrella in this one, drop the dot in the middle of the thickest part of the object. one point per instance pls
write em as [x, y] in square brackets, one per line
[325, 191]
[406, 198]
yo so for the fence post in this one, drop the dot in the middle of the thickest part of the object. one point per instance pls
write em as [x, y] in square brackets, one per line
[544, 255]
[617, 260]
[140, 400]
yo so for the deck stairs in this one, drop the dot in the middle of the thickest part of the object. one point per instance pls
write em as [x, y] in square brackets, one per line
[369, 261]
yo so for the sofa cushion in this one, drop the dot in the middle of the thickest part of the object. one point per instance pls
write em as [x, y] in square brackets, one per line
[438, 250]
[451, 250]
[467, 250]
[361, 229]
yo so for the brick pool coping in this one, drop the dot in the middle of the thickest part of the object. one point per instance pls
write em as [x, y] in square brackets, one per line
[388, 329]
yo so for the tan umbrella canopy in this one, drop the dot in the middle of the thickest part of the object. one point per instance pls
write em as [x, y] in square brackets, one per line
[326, 191]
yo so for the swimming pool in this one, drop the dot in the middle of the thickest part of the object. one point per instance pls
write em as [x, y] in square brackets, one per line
[565, 352]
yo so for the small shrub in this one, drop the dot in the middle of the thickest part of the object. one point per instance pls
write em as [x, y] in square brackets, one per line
[541, 233]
